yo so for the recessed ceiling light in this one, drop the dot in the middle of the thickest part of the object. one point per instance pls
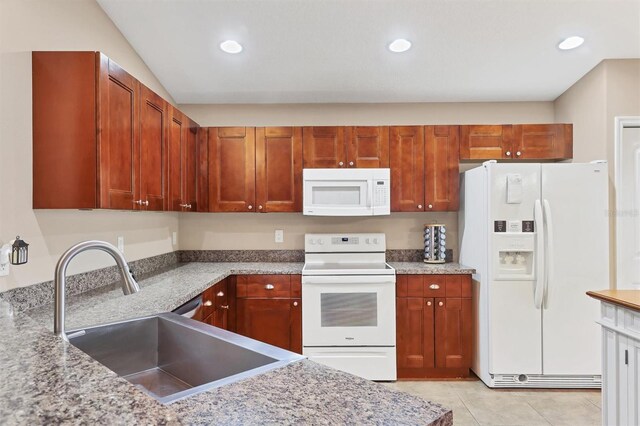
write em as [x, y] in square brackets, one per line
[231, 46]
[400, 45]
[570, 43]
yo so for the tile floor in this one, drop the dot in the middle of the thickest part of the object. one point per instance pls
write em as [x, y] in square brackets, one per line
[475, 404]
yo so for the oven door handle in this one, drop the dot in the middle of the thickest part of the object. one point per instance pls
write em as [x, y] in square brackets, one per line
[348, 279]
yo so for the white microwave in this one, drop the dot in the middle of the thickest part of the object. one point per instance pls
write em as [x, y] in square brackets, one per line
[346, 192]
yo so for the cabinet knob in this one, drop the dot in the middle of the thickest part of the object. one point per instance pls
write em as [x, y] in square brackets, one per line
[138, 202]
[419, 206]
[434, 287]
[183, 205]
[341, 164]
[351, 163]
[508, 153]
[188, 206]
[269, 287]
[430, 206]
[220, 294]
[146, 202]
[428, 302]
[295, 303]
[208, 303]
[260, 207]
[250, 207]
[518, 153]
[224, 306]
[440, 303]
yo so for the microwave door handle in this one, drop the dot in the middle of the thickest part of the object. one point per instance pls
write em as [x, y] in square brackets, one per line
[369, 193]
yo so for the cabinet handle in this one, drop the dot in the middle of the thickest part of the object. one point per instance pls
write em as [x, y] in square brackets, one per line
[508, 153]
[518, 153]
[138, 202]
[188, 206]
[295, 303]
[434, 286]
[260, 207]
[428, 303]
[341, 164]
[440, 303]
[419, 206]
[208, 303]
[224, 306]
[430, 206]
[269, 287]
[220, 294]
[182, 205]
[250, 207]
[351, 163]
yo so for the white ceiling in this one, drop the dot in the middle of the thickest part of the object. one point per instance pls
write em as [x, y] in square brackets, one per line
[335, 50]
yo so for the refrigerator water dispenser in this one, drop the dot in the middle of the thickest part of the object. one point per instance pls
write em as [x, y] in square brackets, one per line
[515, 258]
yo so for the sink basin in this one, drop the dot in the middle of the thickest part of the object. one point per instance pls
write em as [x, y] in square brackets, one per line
[171, 357]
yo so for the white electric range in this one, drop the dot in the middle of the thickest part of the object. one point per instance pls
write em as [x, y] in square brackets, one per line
[348, 294]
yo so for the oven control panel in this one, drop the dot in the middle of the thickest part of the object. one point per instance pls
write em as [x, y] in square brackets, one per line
[328, 243]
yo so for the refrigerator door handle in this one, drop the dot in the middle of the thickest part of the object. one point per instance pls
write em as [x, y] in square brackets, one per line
[539, 227]
[548, 249]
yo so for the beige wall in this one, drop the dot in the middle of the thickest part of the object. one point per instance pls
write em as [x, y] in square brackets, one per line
[27, 25]
[403, 230]
[610, 90]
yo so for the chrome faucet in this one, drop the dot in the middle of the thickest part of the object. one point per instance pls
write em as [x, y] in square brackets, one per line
[129, 284]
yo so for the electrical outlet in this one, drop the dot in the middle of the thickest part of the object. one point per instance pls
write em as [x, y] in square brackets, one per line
[279, 237]
[174, 238]
[4, 269]
[121, 244]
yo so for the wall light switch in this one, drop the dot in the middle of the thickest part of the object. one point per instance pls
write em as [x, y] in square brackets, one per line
[279, 237]
[174, 238]
[121, 244]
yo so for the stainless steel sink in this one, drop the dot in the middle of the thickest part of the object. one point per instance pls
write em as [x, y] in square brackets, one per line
[171, 357]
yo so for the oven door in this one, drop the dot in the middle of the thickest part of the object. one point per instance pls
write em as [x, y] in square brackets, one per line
[348, 310]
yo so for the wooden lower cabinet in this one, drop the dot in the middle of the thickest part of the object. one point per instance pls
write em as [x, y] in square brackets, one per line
[216, 305]
[434, 334]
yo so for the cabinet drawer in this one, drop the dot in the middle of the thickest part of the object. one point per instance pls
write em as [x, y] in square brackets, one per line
[458, 286]
[264, 286]
[435, 285]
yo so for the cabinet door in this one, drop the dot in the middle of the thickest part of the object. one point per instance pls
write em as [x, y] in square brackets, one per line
[202, 187]
[414, 336]
[485, 142]
[295, 327]
[266, 320]
[453, 332]
[189, 167]
[153, 151]
[324, 147]
[406, 158]
[279, 169]
[633, 388]
[367, 146]
[543, 141]
[221, 313]
[118, 136]
[232, 172]
[177, 135]
[441, 153]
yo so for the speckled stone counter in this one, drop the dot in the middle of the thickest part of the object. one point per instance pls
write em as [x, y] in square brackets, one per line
[44, 380]
[430, 268]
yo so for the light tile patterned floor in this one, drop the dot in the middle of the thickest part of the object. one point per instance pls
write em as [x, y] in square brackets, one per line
[473, 403]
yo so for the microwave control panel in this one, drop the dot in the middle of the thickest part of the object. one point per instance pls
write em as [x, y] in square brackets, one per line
[380, 192]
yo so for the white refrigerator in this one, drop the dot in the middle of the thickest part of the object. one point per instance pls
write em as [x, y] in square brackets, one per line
[538, 237]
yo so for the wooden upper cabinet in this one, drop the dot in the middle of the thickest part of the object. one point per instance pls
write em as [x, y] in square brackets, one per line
[118, 137]
[232, 169]
[153, 151]
[485, 142]
[190, 168]
[279, 169]
[367, 146]
[324, 147]
[517, 141]
[65, 160]
[441, 168]
[202, 194]
[543, 141]
[406, 159]
[177, 135]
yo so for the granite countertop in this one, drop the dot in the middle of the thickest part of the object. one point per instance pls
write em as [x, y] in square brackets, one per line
[45, 380]
[430, 268]
[627, 298]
